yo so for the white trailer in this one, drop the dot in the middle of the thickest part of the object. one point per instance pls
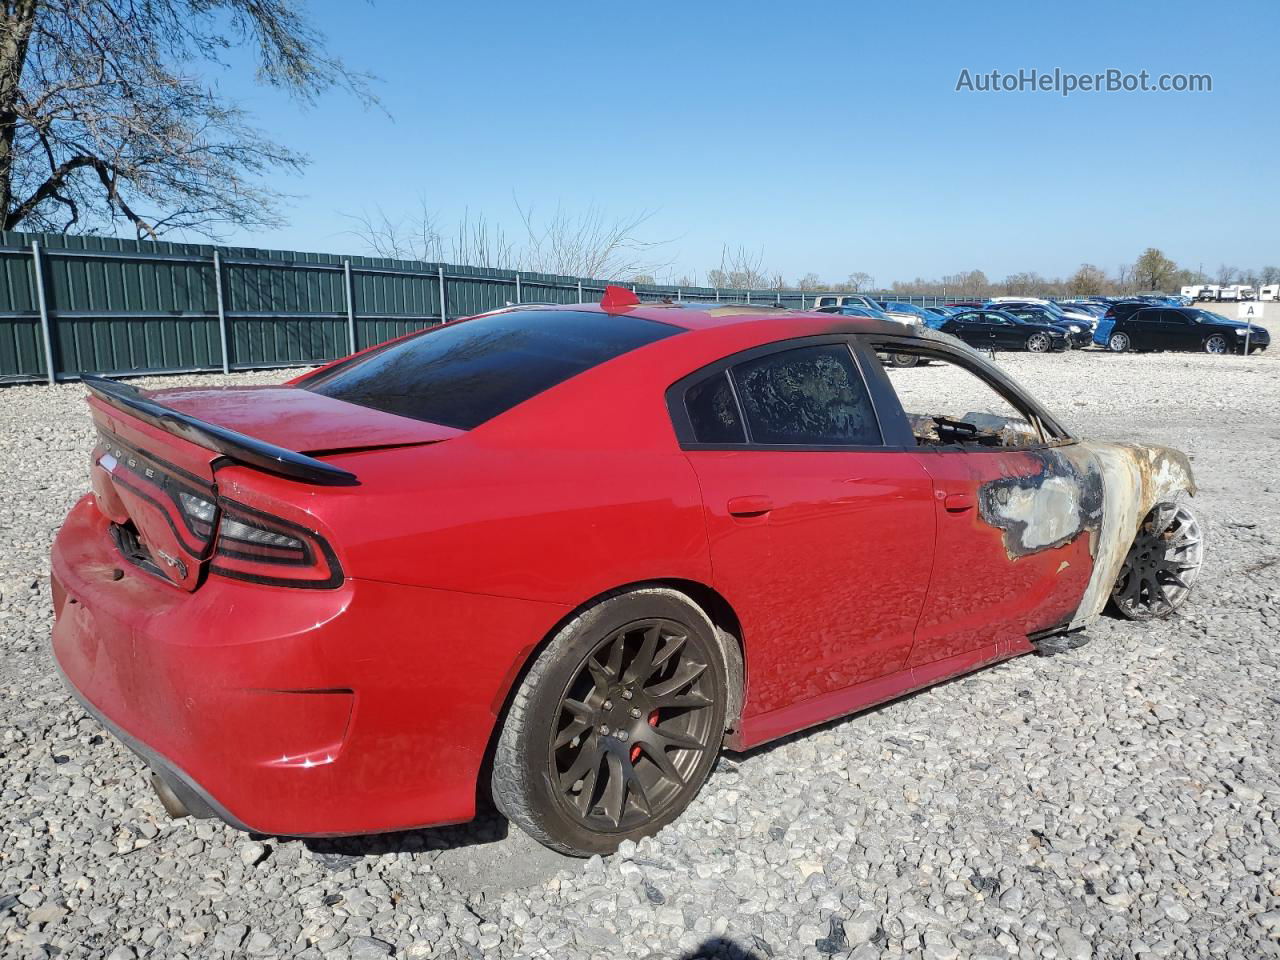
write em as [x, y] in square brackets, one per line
[1270, 291]
[1194, 292]
[1210, 291]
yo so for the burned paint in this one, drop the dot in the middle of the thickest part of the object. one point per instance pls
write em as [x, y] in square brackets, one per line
[1135, 477]
[1046, 509]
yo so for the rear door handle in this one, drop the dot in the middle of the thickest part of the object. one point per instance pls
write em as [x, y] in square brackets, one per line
[749, 506]
[958, 502]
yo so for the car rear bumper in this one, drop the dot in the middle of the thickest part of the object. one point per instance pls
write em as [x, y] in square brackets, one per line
[285, 711]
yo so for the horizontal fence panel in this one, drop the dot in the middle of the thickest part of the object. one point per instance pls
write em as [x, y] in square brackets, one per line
[281, 341]
[124, 345]
[21, 353]
[135, 306]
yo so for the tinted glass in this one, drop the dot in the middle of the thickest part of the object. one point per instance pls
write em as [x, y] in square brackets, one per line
[808, 396]
[713, 412]
[463, 374]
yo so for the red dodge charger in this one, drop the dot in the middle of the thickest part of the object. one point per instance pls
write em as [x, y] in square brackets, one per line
[565, 553]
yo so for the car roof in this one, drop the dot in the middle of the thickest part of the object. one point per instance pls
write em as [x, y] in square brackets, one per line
[722, 316]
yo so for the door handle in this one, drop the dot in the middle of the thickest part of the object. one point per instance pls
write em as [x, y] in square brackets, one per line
[749, 506]
[958, 502]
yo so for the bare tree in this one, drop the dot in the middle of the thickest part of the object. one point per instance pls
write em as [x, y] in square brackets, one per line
[1087, 281]
[474, 241]
[860, 281]
[588, 244]
[100, 122]
[1225, 275]
[740, 269]
[810, 282]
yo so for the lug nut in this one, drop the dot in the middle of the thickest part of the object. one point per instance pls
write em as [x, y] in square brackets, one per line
[608, 705]
[635, 713]
[626, 694]
[622, 734]
[604, 729]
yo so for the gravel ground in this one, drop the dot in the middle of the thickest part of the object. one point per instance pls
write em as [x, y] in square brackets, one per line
[1117, 801]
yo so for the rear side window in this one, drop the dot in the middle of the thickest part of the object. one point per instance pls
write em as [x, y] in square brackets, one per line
[461, 375]
[810, 396]
[713, 411]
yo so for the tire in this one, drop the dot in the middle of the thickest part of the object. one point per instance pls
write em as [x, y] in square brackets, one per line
[639, 741]
[1216, 344]
[1039, 343]
[1119, 342]
[1162, 564]
[904, 360]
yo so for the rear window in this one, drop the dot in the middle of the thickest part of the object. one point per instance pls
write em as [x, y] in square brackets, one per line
[462, 374]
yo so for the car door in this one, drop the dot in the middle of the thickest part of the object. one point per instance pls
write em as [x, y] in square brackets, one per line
[1010, 559]
[1180, 333]
[821, 537]
[1007, 335]
[968, 327]
[1143, 329]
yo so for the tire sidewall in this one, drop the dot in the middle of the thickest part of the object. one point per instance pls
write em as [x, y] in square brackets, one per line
[1119, 342]
[555, 668]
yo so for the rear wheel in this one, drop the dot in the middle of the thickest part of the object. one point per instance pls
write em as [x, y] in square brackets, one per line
[616, 726]
[1119, 342]
[1216, 344]
[904, 359]
[1162, 565]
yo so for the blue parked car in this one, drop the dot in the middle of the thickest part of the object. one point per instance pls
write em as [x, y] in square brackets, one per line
[931, 320]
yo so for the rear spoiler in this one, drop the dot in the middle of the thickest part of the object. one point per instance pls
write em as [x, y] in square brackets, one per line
[232, 444]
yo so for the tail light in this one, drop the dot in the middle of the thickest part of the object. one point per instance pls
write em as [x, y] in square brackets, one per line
[260, 548]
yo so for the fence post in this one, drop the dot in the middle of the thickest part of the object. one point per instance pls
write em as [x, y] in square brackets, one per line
[45, 332]
[222, 311]
[679, 295]
[517, 286]
[351, 305]
[717, 289]
[579, 291]
[748, 298]
[444, 308]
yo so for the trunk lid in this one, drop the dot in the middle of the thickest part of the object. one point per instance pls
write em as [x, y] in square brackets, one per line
[154, 468]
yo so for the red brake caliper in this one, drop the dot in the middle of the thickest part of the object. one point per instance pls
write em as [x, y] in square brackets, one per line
[653, 722]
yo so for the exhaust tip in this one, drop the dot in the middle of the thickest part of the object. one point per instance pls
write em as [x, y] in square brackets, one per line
[172, 803]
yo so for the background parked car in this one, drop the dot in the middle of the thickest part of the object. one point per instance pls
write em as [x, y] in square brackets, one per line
[1001, 330]
[875, 313]
[824, 300]
[1079, 333]
[1121, 310]
[1185, 328]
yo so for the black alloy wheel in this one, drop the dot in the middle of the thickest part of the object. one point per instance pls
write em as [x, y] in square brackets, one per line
[1162, 565]
[616, 725]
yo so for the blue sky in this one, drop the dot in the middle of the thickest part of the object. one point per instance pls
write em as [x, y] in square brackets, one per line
[829, 135]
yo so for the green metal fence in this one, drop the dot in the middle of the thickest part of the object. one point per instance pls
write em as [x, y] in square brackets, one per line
[104, 305]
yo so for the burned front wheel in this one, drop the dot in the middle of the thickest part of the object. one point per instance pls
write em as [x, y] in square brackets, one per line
[1162, 565]
[616, 726]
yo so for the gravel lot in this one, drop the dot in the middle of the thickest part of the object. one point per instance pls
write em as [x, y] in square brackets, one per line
[1117, 801]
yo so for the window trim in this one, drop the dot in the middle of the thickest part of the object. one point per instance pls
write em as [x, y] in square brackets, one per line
[684, 428]
[885, 397]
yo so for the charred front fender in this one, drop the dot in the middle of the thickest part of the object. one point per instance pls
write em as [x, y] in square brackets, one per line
[1092, 489]
[1135, 477]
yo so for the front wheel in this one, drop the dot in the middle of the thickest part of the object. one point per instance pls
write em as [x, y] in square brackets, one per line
[1216, 344]
[1039, 343]
[904, 359]
[1119, 342]
[616, 726]
[1162, 565]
